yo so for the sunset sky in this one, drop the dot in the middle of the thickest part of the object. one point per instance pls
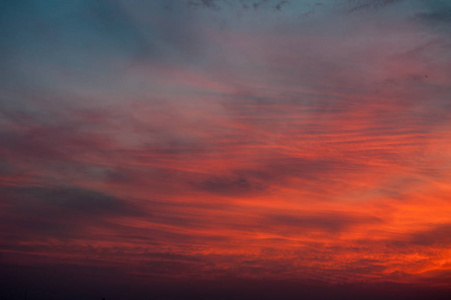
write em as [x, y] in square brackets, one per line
[225, 148]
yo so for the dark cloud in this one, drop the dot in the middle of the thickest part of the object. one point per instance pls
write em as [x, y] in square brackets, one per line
[439, 277]
[435, 237]
[329, 222]
[48, 136]
[5, 167]
[244, 4]
[210, 4]
[438, 17]
[370, 4]
[232, 185]
[49, 143]
[280, 4]
[439, 235]
[71, 198]
[275, 171]
[68, 213]
[57, 211]
[436, 12]
[174, 257]
[269, 173]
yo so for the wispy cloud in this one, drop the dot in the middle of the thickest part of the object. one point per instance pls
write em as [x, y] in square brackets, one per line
[214, 140]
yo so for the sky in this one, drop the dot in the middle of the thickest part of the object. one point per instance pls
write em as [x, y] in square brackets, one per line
[225, 149]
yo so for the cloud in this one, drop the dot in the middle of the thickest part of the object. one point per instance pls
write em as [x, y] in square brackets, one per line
[370, 4]
[62, 212]
[436, 16]
[280, 5]
[210, 4]
[229, 185]
[223, 141]
[243, 4]
[439, 235]
[331, 222]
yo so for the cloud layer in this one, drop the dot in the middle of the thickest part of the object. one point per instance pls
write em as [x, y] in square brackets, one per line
[296, 141]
